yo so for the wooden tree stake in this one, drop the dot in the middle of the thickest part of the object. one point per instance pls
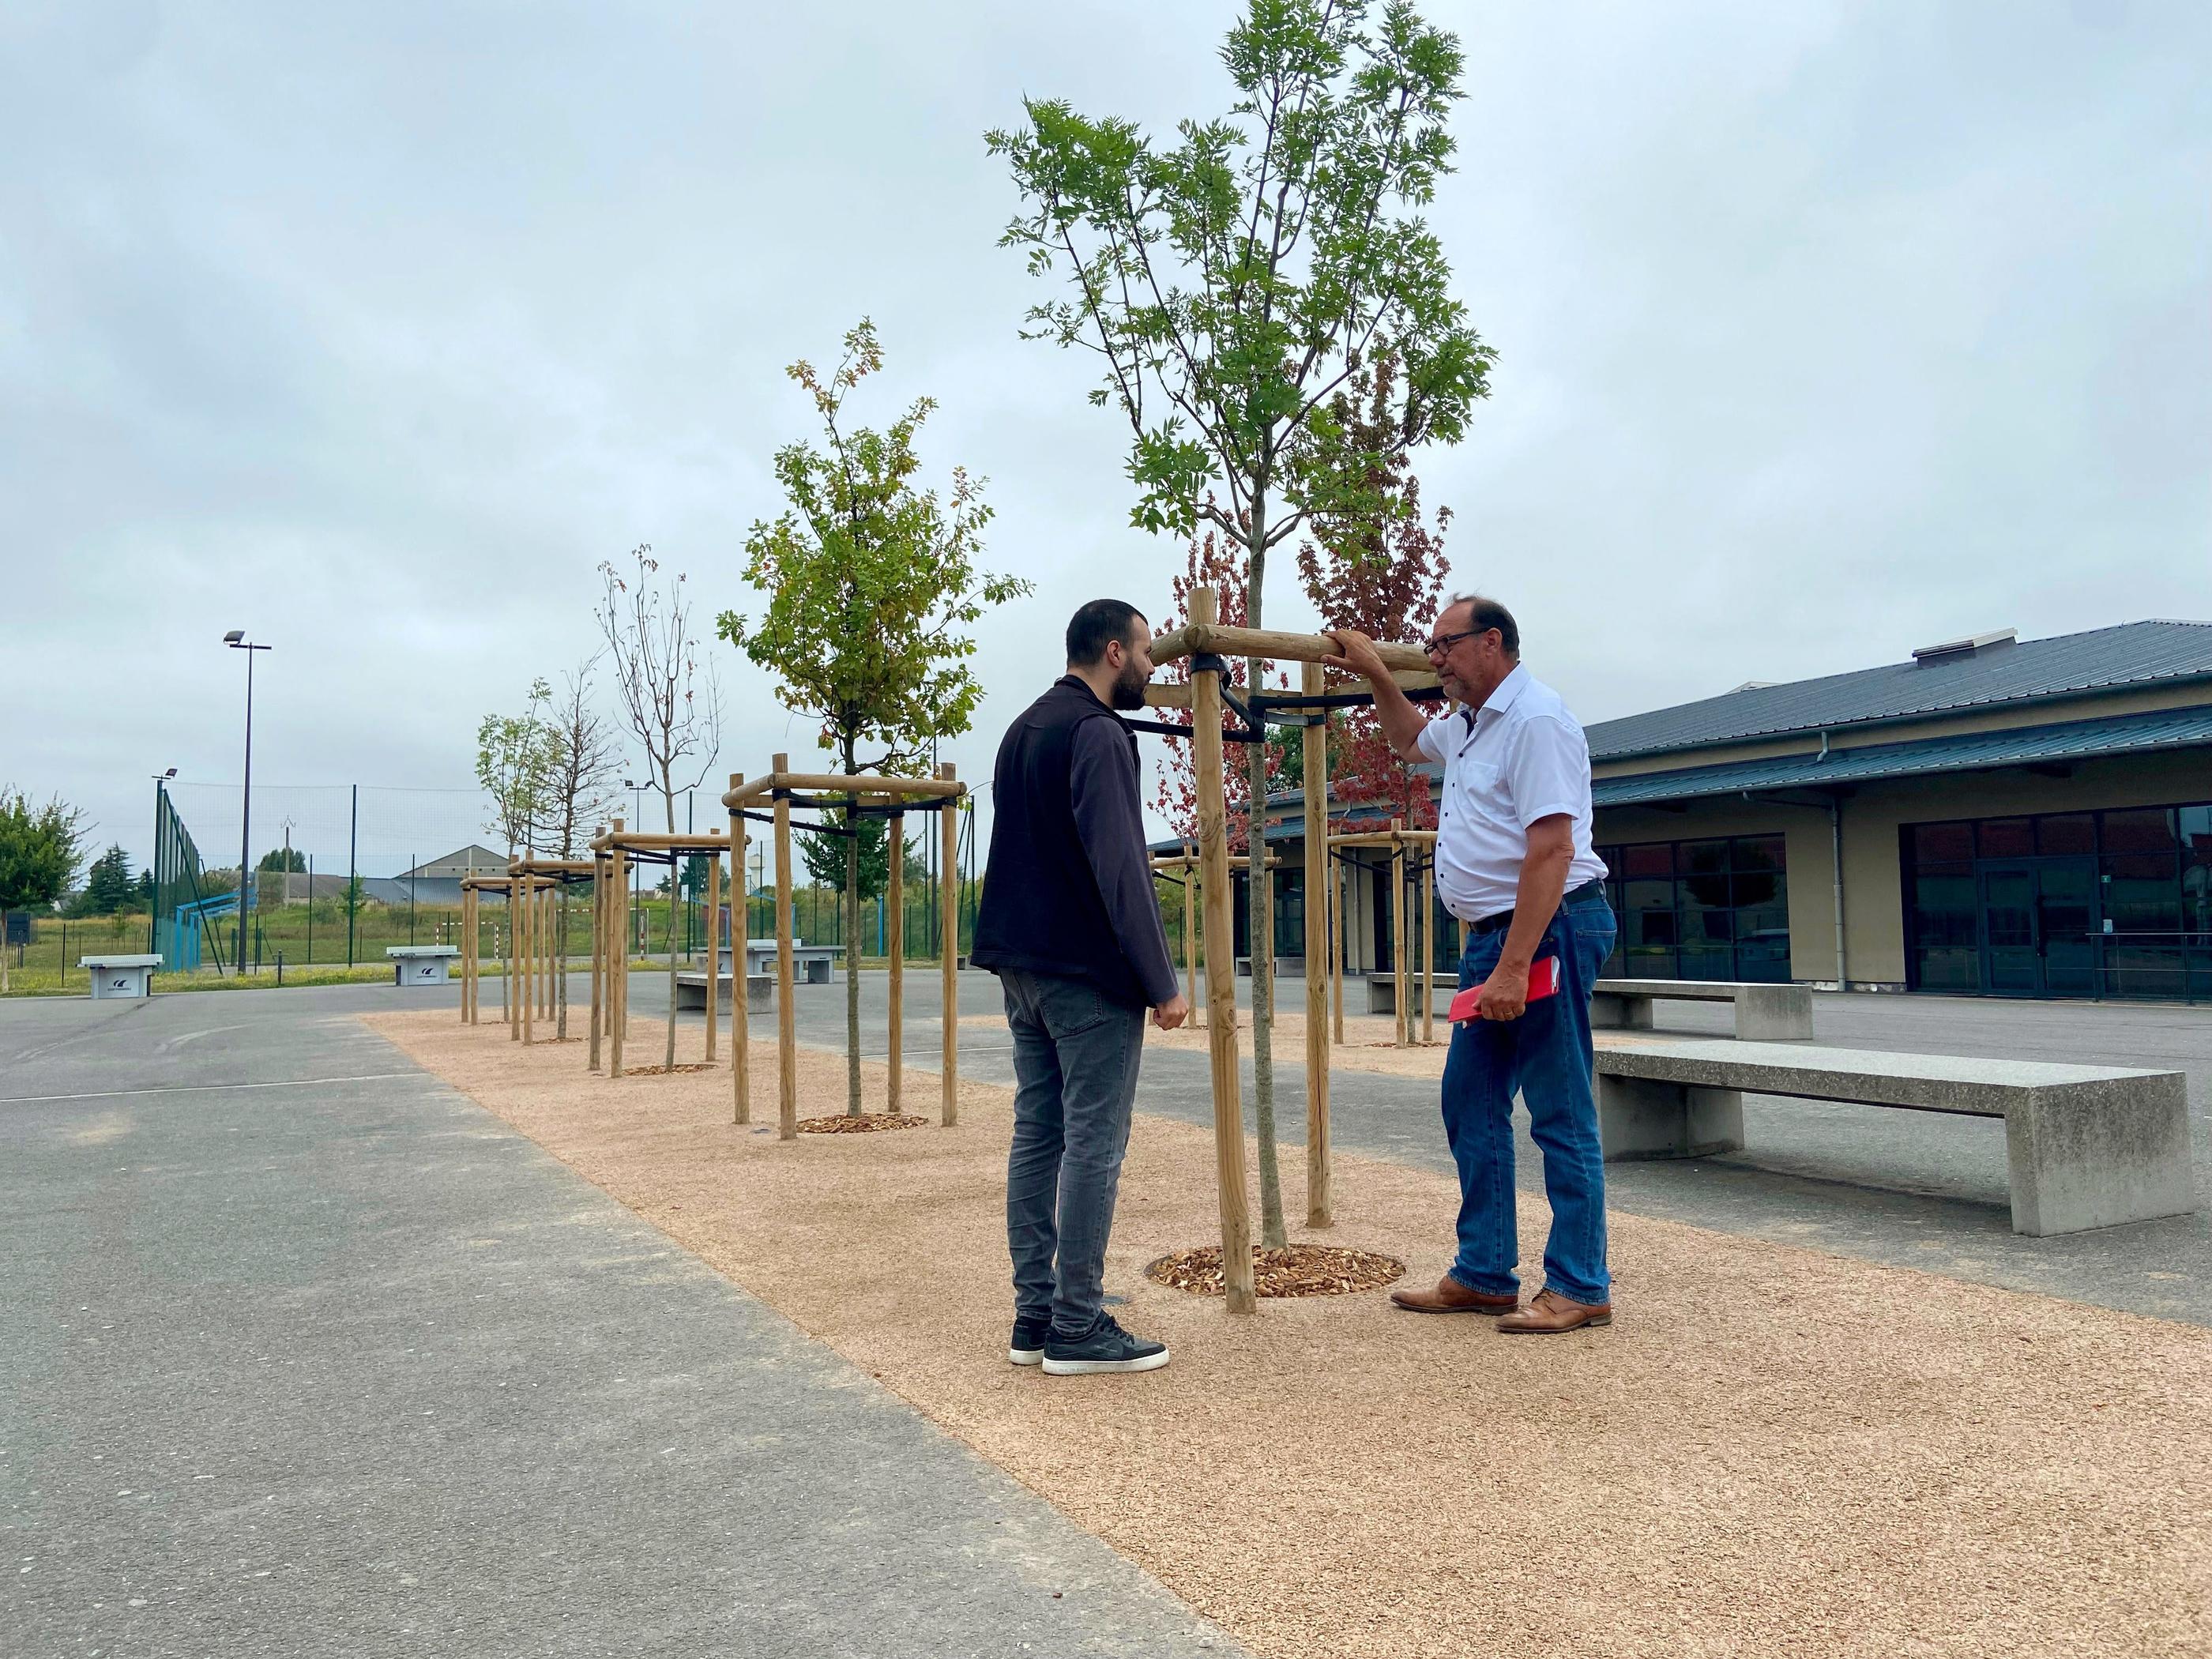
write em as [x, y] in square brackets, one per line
[948, 847]
[1221, 977]
[741, 1082]
[1319, 1201]
[895, 944]
[787, 1026]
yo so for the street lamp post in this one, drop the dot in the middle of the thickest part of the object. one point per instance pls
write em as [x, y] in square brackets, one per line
[236, 640]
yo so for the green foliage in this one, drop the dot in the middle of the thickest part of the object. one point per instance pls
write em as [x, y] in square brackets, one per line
[282, 859]
[108, 888]
[41, 848]
[1233, 283]
[870, 580]
[826, 860]
[517, 758]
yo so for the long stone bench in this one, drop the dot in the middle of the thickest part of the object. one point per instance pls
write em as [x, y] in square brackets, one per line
[1382, 992]
[691, 991]
[810, 963]
[1764, 1012]
[2086, 1146]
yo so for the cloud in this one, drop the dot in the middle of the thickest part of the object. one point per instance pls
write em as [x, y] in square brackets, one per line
[1824, 331]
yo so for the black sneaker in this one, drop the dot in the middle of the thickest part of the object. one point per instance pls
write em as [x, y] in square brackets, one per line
[1028, 1346]
[1107, 1348]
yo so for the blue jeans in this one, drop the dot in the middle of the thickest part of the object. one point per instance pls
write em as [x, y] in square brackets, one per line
[1545, 1056]
[1075, 1084]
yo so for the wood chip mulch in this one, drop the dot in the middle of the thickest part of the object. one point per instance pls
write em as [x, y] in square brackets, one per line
[867, 1123]
[1296, 1270]
[663, 1071]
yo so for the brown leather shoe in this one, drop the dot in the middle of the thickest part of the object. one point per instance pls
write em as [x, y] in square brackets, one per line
[1549, 1312]
[1452, 1297]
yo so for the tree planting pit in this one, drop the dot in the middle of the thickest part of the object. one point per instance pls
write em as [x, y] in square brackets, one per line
[1294, 1270]
[865, 1123]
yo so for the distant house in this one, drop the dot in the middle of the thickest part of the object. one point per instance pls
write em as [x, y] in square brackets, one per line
[470, 861]
[437, 882]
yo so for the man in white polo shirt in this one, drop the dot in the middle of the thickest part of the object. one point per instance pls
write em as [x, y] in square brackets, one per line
[1513, 861]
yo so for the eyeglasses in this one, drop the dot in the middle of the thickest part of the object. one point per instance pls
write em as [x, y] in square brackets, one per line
[1444, 642]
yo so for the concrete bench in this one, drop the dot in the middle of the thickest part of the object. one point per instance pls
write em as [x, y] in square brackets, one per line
[2086, 1146]
[1382, 992]
[1285, 967]
[1764, 1012]
[420, 965]
[691, 992]
[120, 977]
[810, 963]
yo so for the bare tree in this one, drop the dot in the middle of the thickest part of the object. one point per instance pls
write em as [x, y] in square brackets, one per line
[585, 755]
[669, 696]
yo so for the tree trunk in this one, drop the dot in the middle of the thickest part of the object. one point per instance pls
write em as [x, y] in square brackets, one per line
[675, 884]
[1272, 1235]
[852, 953]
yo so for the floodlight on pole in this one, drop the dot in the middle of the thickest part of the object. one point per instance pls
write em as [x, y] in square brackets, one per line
[236, 640]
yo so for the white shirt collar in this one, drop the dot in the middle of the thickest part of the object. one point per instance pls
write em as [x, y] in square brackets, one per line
[1508, 691]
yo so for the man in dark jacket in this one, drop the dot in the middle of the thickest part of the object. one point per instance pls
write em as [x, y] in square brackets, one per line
[1070, 925]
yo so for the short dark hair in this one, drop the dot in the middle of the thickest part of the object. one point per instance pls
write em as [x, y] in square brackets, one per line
[1487, 614]
[1097, 625]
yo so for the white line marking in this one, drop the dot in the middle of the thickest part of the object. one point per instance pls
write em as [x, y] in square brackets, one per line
[204, 1088]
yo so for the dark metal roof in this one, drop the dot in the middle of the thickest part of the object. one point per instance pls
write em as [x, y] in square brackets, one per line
[1974, 751]
[2102, 659]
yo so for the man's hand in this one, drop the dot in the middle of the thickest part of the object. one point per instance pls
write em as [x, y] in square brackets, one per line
[1356, 654]
[1176, 1009]
[1506, 992]
[1401, 721]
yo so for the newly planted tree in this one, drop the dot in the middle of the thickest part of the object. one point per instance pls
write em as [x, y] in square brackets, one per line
[870, 580]
[668, 695]
[579, 791]
[515, 768]
[1233, 282]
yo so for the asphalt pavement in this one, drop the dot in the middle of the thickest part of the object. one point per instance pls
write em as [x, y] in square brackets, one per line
[302, 1352]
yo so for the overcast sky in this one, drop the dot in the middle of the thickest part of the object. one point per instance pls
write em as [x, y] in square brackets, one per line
[1824, 331]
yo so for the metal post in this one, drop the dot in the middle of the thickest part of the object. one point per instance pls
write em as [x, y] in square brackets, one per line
[245, 817]
[353, 852]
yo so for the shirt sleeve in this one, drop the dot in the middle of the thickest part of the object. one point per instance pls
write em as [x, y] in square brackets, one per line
[1103, 777]
[1549, 771]
[1434, 741]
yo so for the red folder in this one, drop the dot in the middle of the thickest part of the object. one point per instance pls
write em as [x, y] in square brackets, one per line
[1543, 981]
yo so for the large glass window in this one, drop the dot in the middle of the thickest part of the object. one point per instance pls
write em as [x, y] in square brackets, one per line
[2116, 903]
[1714, 909]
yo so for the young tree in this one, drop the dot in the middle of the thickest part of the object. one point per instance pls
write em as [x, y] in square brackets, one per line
[514, 765]
[869, 580]
[41, 848]
[670, 701]
[108, 888]
[1382, 571]
[1233, 283]
[579, 791]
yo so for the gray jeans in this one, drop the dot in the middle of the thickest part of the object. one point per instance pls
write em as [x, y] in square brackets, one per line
[1075, 1081]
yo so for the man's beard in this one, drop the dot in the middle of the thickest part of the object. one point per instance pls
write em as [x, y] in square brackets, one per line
[1129, 687]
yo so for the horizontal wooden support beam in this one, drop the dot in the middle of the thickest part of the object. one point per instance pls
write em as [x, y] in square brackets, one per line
[869, 787]
[1195, 637]
[1385, 838]
[1176, 694]
[630, 840]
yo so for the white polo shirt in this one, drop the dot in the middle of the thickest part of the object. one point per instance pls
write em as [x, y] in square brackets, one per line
[1520, 758]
